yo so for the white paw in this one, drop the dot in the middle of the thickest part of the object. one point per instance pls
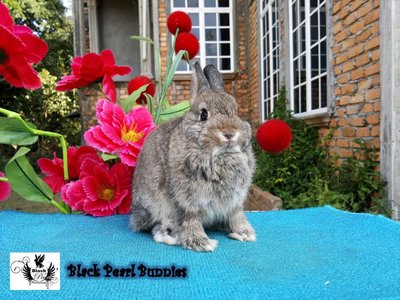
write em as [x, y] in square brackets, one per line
[212, 245]
[243, 237]
[164, 238]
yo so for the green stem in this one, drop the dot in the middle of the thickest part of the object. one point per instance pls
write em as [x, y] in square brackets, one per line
[165, 87]
[63, 142]
[3, 179]
[62, 209]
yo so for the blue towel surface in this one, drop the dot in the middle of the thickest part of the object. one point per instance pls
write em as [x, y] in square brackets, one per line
[315, 253]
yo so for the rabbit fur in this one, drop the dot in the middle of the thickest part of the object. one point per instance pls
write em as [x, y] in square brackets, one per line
[194, 172]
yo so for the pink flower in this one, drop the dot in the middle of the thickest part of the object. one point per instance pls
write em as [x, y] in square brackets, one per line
[54, 169]
[19, 48]
[100, 191]
[5, 188]
[91, 68]
[120, 133]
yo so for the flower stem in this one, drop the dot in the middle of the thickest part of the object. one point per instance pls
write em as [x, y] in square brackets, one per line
[60, 207]
[3, 179]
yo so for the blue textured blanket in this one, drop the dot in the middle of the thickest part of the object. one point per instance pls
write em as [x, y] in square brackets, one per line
[316, 253]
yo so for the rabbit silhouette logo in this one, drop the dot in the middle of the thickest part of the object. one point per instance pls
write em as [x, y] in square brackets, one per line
[33, 271]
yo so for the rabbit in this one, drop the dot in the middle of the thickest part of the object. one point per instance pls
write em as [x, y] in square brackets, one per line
[194, 172]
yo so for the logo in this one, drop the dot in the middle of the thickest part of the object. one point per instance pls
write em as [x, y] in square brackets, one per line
[35, 271]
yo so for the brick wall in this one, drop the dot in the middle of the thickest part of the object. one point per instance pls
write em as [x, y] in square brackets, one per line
[356, 67]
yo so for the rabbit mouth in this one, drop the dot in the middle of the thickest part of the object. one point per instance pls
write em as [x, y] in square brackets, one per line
[227, 148]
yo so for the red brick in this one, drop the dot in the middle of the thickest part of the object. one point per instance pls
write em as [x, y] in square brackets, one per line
[357, 74]
[344, 152]
[344, 143]
[368, 108]
[357, 26]
[341, 36]
[363, 85]
[340, 112]
[357, 98]
[373, 119]
[348, 43]
[363, 132]
[353, 109]
[372, 69]
[355, 4]
[371, 17]
[347, 89]
[375, 55]
[373, 94]
[341, 58]
[365, 9]
[362, 59]
[357, 121]
[348, 132]
[337, 70]
[343, 78]
[372, 43]
[342, 122]
[374, 143]
[355, 51]
[377, 106]
[376, 130]
[348, 66]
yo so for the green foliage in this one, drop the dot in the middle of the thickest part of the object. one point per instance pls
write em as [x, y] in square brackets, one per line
[305, 176]
[44, 107]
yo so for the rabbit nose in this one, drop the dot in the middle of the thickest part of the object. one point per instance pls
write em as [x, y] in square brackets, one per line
[228, 136]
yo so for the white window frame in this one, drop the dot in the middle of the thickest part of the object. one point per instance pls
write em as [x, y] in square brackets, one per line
[273, 95]
[309, 110]
[202, 10]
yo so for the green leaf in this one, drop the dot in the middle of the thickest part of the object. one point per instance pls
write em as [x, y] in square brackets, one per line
[12, 132]
[106, 156]
[24, 180]
[141, 38]
[128, 103]
[175, 111]
[169, 77]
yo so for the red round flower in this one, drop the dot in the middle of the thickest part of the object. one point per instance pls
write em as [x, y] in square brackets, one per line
[19, 48]
[139, 81]
[187, 41]
[274, 136]
[181, 20]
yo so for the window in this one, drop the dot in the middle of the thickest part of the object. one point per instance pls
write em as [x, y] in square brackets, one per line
[270, 55]
[212, 23]
[308, 44]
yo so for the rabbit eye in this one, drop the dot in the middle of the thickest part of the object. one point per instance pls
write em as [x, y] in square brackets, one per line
[203, 114]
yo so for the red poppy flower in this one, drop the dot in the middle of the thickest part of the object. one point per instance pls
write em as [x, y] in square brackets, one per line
[92, 68]
[19, 48]
[100, 191]
[54, 169]
[139, 81]
[274, 136]
[181, 20]
[5, 188]
[187, 41]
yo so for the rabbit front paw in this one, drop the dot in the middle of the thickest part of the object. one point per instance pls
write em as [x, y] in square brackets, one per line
[200, 243]
[243, 235]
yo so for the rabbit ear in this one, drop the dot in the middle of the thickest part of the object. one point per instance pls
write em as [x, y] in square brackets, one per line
[214, 78]
[199, 81]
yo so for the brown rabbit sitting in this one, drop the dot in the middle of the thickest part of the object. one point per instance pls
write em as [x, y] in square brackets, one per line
[194, 172]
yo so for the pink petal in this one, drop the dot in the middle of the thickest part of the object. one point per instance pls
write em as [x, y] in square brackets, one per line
[5, 187]
[74, 195]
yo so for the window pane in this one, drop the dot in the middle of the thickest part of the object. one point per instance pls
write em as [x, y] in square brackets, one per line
[209, 3]
[303, 99]
[295, 43]
[315, 94]
[296, 96]
[225, 64]
[324, 95]
[223, 19]
[210, 20]
[179, 3]
[295, 12]
[196, 32]
[212, 61]
[195, 19]
[313, 5]
[224, 34]
[182, 66]
[211, 34]
[193, 3]
[211, 49]
[223, 3]
[225, 49]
